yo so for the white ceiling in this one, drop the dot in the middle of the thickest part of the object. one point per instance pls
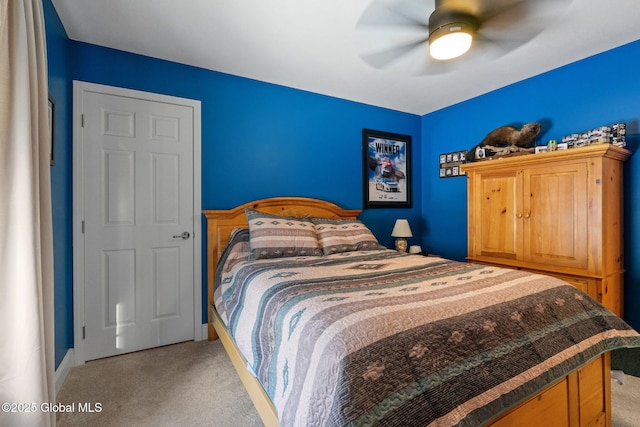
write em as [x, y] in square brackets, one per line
[319, 45]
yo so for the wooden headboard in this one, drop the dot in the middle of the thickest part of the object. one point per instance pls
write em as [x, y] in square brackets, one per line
[220, 224]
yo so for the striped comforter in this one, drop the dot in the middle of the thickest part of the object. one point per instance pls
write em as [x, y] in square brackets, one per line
[378, 337]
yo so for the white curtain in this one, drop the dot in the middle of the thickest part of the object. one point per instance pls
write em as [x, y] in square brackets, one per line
[26, 242]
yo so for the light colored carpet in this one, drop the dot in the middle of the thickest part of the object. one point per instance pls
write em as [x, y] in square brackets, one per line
[195, 384]
[187, 384]
[625, 402]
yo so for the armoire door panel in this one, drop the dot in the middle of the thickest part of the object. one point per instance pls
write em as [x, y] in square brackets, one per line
[499, 211]
[555, 215]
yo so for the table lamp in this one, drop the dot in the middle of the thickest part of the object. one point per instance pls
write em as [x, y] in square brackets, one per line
[401, 231]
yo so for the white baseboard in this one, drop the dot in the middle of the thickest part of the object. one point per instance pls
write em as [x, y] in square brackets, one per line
[205, 332]
[63, 369]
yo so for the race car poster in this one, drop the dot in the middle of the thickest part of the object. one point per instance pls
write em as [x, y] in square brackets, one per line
[387, 177]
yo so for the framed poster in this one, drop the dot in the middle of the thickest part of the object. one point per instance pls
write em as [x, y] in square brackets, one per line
[386, 169]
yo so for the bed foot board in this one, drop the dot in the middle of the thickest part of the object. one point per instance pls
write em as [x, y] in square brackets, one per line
[582, 398]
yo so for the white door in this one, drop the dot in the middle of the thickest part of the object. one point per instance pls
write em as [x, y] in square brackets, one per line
[138, 202]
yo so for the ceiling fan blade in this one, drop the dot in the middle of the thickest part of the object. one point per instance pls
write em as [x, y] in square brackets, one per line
[397, 13]
[513, 11]
[385, 58]
[390, 31]
[515, 22]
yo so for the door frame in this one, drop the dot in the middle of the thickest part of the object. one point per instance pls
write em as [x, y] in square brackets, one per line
[79, 89]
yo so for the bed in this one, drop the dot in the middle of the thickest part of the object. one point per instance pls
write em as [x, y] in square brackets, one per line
[350, 333]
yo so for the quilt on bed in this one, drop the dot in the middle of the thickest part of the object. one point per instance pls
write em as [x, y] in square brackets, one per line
[378, 337]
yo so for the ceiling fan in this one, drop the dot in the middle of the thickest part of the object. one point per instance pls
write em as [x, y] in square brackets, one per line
[415, 35]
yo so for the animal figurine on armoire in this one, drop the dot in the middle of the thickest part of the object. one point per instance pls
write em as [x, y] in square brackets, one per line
[505, 140]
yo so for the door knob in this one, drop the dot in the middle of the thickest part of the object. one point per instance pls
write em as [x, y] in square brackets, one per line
[185, 235]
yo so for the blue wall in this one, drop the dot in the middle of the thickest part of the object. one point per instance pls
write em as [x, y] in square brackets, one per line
[261, 140]
[61, 195]
[258, 140]
[599, 90]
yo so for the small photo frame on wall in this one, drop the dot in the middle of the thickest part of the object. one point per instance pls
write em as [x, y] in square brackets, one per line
[450, 164]
[52, 121]
[386, 169]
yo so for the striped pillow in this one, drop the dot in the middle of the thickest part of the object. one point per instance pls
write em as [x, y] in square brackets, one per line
[344, 235]
[275, 236]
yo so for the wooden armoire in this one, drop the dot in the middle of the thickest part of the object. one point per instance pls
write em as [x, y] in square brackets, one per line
[558, 213]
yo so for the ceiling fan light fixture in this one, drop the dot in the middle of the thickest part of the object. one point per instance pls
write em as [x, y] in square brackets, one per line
[450, 45]
[451, 34]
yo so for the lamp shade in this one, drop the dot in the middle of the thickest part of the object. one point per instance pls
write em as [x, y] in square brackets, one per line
[401, 229]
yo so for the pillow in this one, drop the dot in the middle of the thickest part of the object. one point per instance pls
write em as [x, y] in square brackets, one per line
[344, 235]
[275, 236]
[237, 250]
